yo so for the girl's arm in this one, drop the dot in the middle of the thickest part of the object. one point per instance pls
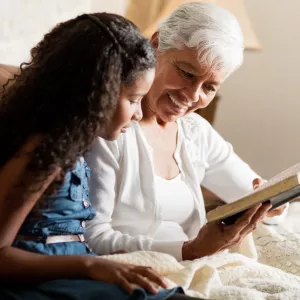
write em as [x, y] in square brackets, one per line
[26, 267]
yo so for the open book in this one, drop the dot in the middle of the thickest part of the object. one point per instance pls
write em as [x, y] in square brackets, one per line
[280, 189]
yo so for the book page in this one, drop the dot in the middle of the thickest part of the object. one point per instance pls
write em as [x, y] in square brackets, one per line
[281, 176]
[280, 189]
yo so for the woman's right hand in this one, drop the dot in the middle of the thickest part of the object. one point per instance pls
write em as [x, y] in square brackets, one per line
[257, 182]
[216, 236]
[125, 274]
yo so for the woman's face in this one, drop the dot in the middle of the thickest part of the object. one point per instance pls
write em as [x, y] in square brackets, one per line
[181, 85]
[129, 105]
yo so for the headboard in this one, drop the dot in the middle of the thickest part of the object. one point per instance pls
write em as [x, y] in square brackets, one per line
[6, 72]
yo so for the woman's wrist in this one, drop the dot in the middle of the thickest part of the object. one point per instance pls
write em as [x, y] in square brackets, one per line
[188, 252]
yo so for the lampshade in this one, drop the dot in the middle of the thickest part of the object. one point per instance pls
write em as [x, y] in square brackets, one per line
[148, 14]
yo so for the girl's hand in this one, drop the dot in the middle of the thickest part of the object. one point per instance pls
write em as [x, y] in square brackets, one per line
[125, 275]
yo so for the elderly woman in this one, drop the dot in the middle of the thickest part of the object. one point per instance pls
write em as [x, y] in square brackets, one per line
[146, 185]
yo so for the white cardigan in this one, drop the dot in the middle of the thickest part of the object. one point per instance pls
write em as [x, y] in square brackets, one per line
[122, 185]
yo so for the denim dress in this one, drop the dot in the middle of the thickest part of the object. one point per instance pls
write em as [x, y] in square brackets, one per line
[65, 213]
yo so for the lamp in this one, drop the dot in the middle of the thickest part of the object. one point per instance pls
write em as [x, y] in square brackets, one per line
[148, 14]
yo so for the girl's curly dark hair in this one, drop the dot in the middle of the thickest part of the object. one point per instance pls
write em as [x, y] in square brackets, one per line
[70, 89]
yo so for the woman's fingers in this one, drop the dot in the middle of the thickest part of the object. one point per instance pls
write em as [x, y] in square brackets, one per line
[230, 235]
[217, 236]
[244, 225]
[246, 218]
[257, 182]
[277, 211]
[257, 217]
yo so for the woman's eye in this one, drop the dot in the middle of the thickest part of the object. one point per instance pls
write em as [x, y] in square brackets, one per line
[210, 89]
[184, 73]
[187, 74]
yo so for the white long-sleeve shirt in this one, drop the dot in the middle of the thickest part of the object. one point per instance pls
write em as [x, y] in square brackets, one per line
[122, 185]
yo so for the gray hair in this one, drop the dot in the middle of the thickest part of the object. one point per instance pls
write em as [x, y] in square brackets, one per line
[210, 29]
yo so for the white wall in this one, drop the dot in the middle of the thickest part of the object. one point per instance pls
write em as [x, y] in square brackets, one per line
[260, 108]
[24, 22]
[261, 102]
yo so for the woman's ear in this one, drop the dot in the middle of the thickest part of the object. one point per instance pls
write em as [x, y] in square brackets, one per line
[154, 40]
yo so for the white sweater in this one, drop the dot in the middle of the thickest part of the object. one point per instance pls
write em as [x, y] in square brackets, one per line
[123, 192]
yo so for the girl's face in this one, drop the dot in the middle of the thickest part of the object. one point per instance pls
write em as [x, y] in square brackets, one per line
[129, 105]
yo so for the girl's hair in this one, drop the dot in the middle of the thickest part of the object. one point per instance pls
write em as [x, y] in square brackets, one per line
[210, 29]
[70, 89]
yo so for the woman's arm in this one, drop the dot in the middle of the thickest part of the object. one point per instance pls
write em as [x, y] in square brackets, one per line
[227, 175]
[105, 171]
[103, 159]
[25, 267]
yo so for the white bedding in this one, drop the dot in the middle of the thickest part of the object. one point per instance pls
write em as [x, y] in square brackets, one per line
[275, 276]
[279, 246]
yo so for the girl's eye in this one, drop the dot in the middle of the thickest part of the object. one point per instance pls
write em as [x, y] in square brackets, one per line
[133, 101]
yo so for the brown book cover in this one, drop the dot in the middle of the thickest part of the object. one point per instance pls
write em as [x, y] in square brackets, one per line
[279, 190]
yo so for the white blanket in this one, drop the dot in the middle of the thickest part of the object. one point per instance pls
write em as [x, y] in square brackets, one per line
[235, 276]
[279, 246]
[222, 276]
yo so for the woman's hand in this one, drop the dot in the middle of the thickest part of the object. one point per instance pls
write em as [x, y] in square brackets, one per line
[124, 274]
[257, 182]
[216, 236]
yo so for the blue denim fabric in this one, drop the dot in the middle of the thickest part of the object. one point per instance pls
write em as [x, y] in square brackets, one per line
[80, 290]
[61, 214]
[64, 214]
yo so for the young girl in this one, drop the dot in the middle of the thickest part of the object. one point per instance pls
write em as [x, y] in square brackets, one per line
[86, 79]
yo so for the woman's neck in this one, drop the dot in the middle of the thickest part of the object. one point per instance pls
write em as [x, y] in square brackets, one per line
[149, 114]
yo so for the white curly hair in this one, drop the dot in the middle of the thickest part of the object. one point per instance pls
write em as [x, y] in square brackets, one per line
[210, 29]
